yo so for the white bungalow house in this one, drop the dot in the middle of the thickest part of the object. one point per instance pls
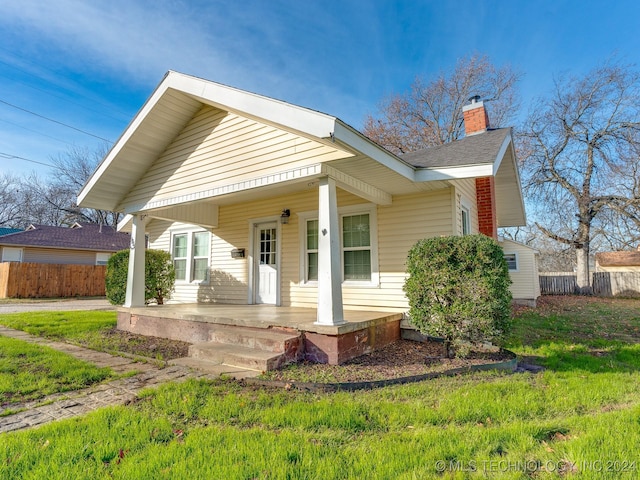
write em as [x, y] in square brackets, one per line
[267, 204]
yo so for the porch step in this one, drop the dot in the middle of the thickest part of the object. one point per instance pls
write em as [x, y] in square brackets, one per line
[236, 356]
[264, 339]
[215, 368]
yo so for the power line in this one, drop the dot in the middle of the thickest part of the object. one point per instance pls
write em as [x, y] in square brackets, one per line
[35, 131]
[11, 157]
[54, 121]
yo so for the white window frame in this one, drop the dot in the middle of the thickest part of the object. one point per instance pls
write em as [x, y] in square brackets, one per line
[102, 258]
[361, 209]
[20, 252]
[190, 258]
[465, 210]
[517, 260]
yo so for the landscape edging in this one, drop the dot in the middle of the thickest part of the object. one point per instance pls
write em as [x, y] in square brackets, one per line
[507, 365]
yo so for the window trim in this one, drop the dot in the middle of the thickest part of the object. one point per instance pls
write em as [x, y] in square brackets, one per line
[517, 260]
[102, 254]
[465, 209]
[347, 211]
[17, 249]
[190, 259]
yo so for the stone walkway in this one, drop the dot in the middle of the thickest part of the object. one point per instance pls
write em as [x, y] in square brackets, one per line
[116, 392]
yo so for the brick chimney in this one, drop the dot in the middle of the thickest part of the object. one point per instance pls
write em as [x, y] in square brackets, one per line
[476, 121]
[475, 116]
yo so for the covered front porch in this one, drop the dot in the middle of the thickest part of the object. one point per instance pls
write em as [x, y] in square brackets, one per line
[259, 326]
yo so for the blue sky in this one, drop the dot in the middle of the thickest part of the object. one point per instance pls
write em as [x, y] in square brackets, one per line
[91, 64]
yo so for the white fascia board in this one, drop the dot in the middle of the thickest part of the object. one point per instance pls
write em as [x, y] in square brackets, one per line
[124, 225]
[358, 187]
[501, 152]
[273, 111]
[124, 138]
[251, 183]
[362, 144]
[454, 173]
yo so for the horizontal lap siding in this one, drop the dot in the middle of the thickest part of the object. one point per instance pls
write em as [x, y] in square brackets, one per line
[525, 283]
[409, 219]
[219, 148]
[59, 256]
[466, 189]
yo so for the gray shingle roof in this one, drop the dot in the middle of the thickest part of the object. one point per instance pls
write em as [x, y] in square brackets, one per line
[85, 236]
[476, 149]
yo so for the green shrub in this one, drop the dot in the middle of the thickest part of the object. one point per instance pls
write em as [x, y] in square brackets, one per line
[159, 276]
[458, 289]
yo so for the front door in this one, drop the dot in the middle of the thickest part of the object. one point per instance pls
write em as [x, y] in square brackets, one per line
[266, 263]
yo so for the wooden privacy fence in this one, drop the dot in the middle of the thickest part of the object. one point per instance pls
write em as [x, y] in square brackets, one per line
[42, 280]
[604, 284]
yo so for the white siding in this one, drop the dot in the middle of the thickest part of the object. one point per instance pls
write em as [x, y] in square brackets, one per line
[409, 219]
[465, 192]
[219, 148]
[526, 285]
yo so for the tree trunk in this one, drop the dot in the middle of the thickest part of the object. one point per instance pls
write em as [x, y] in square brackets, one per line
[582, 271]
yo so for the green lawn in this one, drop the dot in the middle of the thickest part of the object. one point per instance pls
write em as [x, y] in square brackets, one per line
[578, 419]
[29, 371]
[73, 326]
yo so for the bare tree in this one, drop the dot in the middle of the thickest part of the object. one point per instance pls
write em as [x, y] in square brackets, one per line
[72, 170]
[11, 210]
[431, 112]
[579, 153]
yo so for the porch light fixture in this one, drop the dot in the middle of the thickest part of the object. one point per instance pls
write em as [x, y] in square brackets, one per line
[284, 216]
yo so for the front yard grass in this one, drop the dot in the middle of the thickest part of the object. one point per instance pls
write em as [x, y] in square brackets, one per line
[578, 419]
[95, 330]
[29, 372]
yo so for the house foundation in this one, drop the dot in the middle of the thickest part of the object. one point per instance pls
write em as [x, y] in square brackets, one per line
[361, 333]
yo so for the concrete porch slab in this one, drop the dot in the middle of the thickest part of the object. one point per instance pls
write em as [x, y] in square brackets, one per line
[263, 316]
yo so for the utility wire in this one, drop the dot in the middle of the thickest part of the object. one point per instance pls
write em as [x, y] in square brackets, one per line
[54, 121]
[36, 132]
[11, 157]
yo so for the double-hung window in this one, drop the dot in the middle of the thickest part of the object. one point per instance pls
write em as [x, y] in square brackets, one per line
[190, 252]
[358, 255]
[356, 247]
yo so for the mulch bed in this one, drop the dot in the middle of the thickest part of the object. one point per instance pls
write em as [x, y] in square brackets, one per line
[404, 358]
[145, 346]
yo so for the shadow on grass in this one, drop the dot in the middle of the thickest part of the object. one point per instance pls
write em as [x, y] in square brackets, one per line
[605, 357]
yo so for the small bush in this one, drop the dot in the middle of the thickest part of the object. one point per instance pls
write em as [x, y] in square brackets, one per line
[159, 276]
[458, 289]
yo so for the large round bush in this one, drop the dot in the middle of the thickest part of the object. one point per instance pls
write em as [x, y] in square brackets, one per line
[458, 289]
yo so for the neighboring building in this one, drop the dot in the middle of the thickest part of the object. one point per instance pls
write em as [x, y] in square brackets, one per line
[621, 261]
[522, 261]
[7, 231]
[80, 244]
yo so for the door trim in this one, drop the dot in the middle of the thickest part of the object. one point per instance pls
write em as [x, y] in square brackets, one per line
[253, 224]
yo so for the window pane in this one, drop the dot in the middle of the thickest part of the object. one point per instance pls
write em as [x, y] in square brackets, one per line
[511, 260]
[200, 267]
[357, 265]
[312, 235]
[180, 246]
[312, 265]
[355, 231]
[181, 269]
[200, 244]
[465, 222]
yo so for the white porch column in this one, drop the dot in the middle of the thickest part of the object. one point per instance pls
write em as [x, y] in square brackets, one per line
[135, 277]
[330, 311]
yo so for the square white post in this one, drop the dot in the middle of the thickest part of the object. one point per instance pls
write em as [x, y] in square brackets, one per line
[135, 276]
[330, 311]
